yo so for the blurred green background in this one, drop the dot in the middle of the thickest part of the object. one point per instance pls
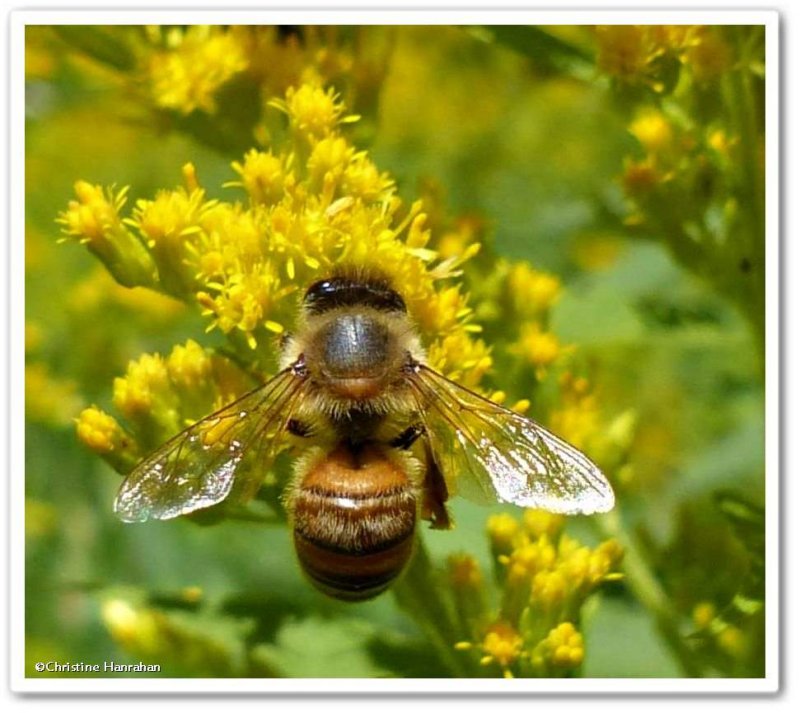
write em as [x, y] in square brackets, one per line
[524, 129]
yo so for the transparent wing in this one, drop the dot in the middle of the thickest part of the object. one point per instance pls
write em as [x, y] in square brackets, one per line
[200, 466]
[488, 453]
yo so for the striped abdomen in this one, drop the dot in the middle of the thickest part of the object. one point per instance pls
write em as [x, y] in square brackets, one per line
[354, 517]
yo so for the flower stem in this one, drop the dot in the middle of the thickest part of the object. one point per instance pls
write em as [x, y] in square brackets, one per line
[644, 585]
[419, 593]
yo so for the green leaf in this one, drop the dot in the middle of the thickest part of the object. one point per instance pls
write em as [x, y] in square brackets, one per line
[321, 648]
[540, 46]
[101, 43]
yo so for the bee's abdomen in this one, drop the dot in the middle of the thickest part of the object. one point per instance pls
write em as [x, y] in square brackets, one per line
[354, 518]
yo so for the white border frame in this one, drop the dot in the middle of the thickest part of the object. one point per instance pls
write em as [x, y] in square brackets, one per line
[20, 19]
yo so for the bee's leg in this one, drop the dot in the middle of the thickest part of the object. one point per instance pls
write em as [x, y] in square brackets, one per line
[408, 437]
[298, 428]
[434, 494]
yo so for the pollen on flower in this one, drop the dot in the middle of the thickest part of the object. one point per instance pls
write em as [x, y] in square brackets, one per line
[363, 180]
[169, 223]
[328, 161]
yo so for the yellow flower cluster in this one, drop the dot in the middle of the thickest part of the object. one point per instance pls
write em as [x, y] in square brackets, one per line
[185, 69]
[157, 397]
[529, 296]
[579, 419]
[545, 577]
[314, 203]
[94, 220]
[644, 54]
[195, 62]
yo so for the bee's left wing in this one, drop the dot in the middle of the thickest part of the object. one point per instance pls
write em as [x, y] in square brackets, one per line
[225, 452]
[489, 454]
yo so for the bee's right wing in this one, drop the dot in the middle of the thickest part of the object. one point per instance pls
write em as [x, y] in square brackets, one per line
[198, 467]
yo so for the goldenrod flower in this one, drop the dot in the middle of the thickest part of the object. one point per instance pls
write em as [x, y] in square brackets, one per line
[313, 111]
[313, 207]
[99, 431]
[707, 55]
[502, 530]
[263, 176]
[545, 578]
[624, 51]
[541, 522]
[732, 640]
[562, 649]
[538, 347]
[501, 645]
[169, 224]
[532, 291]
[197, 61]
[94, 220]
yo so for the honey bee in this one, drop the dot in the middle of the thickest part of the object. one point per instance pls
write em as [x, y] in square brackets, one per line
[385, 441]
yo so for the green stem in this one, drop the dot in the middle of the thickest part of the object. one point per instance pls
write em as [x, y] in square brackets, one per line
[419, 593]
[648, 591]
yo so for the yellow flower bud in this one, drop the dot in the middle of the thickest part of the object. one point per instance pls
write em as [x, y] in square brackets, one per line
[98, 430]
[562, 648]
[502, 644]
[540, 522]
[189, 366]
[502, 530]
